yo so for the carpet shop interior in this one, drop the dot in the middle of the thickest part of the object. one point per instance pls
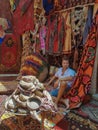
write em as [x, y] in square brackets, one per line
[42, 41]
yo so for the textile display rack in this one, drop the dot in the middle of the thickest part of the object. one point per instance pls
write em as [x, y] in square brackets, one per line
[70, 8]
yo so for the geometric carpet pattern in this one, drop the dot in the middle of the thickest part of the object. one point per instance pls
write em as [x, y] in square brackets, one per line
[89, 110]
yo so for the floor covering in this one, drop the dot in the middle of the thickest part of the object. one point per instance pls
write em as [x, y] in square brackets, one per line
[83, 118]
[7, 84]
[78, 119]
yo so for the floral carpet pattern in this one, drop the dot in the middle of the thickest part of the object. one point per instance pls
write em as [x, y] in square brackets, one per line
[77, 119]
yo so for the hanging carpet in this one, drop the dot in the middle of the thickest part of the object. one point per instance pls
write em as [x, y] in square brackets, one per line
[10, 53]
[82, 83]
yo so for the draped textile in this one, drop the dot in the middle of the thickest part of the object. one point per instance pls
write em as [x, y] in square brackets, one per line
[94, 85]
[52, 30]
[82, 82]
[67, 38]
[42, 35]
[24, 17]
[14, 4]
[55, 34]
[10, 54]
[88, 23]
[1, 40]
[5, 10]
[78, 19]
[47, 5]
[95, 8]
[59, 35]
[71, 3]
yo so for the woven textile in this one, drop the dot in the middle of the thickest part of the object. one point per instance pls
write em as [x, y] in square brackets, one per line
[82, 83]
[10, 54]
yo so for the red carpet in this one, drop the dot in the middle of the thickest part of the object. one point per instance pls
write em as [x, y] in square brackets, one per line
[10, 54]
[74, 122]
[62, 125]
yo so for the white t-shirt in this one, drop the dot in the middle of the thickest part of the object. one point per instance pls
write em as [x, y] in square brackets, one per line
[68, 72]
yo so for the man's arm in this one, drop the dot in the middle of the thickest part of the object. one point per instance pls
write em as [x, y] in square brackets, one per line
[51, 80]
[70, 78]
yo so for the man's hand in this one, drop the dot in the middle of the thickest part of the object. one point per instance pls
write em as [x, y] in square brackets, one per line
[61, 79]
[45, 85]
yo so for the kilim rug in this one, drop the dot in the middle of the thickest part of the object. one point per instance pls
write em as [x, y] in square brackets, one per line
[77, 122]
[73, 121]
[89, 110]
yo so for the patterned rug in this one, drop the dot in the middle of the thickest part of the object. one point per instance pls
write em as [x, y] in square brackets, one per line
[10, 55]
[19, 122]
[71, 121]
[10, 120]
[77, 122]
[89, 110]
[22, 123]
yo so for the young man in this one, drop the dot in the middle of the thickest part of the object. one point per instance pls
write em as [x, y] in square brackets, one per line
[63, 79]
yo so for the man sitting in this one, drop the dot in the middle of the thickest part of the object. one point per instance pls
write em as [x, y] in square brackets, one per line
[63, 80]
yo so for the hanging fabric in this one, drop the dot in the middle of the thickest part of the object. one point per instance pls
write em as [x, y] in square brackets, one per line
[82, 82]
[78, 19]
[51, 33]
[25, 6]
[96, 1]
[47, 5]
[65, 4]
[27, 50]
[67, 36]
[88, 23]
[14, 4]
[55, 34]
[94, 81]
[59, 35]
[42, 35]
[10, 54]
[95, 8]
[2, 34]
[24, 22]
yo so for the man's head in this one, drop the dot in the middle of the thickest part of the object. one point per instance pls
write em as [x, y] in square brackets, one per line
[65, 62]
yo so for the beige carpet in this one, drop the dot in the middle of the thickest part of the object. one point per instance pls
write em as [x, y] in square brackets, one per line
[7, 87]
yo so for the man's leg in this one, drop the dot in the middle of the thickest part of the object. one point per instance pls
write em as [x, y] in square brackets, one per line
[61, 91]
[54, 92]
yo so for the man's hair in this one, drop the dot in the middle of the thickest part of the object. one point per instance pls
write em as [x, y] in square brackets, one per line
[65, 58]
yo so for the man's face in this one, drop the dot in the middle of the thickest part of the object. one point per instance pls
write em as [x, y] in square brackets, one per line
[65, 64]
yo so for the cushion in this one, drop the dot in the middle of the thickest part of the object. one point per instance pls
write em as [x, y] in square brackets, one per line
[53, 70]
[35, 65]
